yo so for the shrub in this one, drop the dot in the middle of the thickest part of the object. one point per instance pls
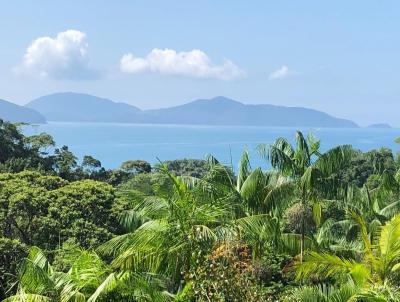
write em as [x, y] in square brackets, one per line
[293, 219]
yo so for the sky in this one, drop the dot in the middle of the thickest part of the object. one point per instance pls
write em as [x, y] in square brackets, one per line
[341, 57]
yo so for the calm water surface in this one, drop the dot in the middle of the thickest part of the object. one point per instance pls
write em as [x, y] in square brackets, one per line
[114, 143]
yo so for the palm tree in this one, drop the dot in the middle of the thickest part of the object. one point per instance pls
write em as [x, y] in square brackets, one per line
[376, 266]
[260, 190]
[258, 199]
[165, 230]
[347, 292]
[88, 278]
[191, 214]
[38, 281]
[309, 172]
[324, 293]
[377, 206]
[251, 192]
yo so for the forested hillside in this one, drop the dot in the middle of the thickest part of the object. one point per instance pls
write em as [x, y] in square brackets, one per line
[316, 226]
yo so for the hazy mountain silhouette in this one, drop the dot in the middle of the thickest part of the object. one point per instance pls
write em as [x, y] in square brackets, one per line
[224, 111]
[15, 113]
[380, 126]
[217, 111]
[79, 107]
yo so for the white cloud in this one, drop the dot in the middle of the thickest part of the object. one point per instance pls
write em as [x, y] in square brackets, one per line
[194, 63]
[62, 57]
[281, 73]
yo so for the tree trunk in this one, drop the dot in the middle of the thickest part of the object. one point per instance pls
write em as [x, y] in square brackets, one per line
[303, 201]
[302, 238]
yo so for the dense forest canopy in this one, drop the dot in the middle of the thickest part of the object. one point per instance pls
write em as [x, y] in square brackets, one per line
[315, 226]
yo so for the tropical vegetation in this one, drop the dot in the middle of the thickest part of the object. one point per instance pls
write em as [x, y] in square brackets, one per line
[310, 225]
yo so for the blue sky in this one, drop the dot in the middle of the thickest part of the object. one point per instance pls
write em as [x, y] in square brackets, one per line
[342, 57]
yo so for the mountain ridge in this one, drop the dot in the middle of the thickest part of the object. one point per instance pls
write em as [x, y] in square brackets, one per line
[216, 111]
[91, 108]
[380, 126]
[248, 114]
[14, 113]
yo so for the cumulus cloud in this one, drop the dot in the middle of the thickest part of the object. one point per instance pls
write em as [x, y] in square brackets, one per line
[194, 63]
[62, 57]
[281, 73]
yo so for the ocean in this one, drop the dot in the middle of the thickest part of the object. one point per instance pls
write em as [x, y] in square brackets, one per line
[114, 143]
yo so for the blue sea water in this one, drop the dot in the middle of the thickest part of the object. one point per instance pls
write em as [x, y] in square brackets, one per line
[115, 143]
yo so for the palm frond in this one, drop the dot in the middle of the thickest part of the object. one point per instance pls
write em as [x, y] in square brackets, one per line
[279, 196]
[364, 235]
[310, 178]
[252, 189]
[327, 265]
[26, 297]
[105, 287]
[389, 246]
[302, 153]
[35, 272]
[280, 154]
[291, 243]
[391, 209]
[308, 294]
[244, 169]
[334, 159]
[151, 207]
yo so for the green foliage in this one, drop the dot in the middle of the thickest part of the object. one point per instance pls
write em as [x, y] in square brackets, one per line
[146, 183]
[309, 172]
[24, 200]
[188, 167]
[18, 153]
[40, 282]
[316, 227]
[165, 229]
[12, 252]
[376, 266]
[295, 216]
[82, 210]
[363, 165]
[136, 166]
[12, 142]
[90, 163]
[226, 274]
[325, 293]
[41, 142]
[46, 210]
[64, 162]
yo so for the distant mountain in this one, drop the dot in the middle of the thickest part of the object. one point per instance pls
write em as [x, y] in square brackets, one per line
[76, 107]
[380, 126]
[13, 113]
[224, 111]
